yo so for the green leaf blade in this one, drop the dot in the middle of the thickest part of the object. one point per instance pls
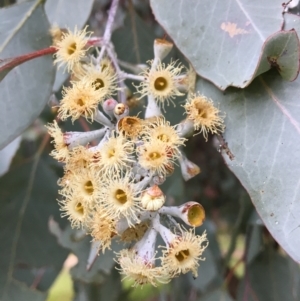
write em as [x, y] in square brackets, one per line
[25, 89]
[222, 40]
[281, 51]
[29, 246]
[263, 133]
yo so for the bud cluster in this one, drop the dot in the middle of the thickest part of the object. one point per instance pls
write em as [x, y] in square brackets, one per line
[112, 176]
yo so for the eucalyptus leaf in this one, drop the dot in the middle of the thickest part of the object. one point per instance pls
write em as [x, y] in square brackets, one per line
[79, 243]
[207, 272]
[270, 277]
[222, 40]
[25, 89]
[7, 154]
[281, 51]
[18, 291]
[292, 21]
[134, 41]
[66, 14]
[70, 15]
[254, 243]
[216, 295]
[263, 133]
[28, 197]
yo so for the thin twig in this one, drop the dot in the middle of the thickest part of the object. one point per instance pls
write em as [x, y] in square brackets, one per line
[125, 75]
[122, 88]
[108, 28]
[233, 269]
[136, 69]
[224, 146]
[40, 273]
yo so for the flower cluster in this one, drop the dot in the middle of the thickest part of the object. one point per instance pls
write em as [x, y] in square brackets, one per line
[112, 175]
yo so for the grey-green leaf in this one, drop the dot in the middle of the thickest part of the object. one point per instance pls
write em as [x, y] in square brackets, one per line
[263, 133]
[67, 15]
[134, 41]
[216, 295]
[281, 51]
[19, 291]
[26, 89]
[28, 197]
[79, 243]
[270, 277]
[292, 21]
[222, 39]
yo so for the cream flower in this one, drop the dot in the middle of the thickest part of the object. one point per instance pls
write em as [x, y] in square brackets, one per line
[84, 184]
[71, 48]
[76, 209]
[120, 198]
[61, 151]
[80, 158]
[156, 156]
[183, 253]
[205, 116]
[102, 81]
[79, 100]
[107, 66]
[160, 129]
[102, 229]
[161, 83]
[135, 268]
[115, 155]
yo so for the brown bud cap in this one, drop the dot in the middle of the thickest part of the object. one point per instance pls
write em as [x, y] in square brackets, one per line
[188, 168]
[162, 48]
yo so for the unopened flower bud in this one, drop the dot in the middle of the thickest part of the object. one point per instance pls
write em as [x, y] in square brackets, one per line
[191, 213]
[158, 180]
[188, 168]
[121, 110]
[73, 139]
[185, 128]
[109, 106]
[152, 109]
[153, 198]
[162, 48]
[101, 118]
[145, 248]
[164, 232]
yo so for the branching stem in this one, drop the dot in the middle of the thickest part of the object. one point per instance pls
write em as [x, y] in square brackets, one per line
[108, 28]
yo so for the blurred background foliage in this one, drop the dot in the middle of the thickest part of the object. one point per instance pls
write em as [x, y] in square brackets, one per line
[42, 258]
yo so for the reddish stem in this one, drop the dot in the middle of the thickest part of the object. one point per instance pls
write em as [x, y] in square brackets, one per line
[15, 61]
